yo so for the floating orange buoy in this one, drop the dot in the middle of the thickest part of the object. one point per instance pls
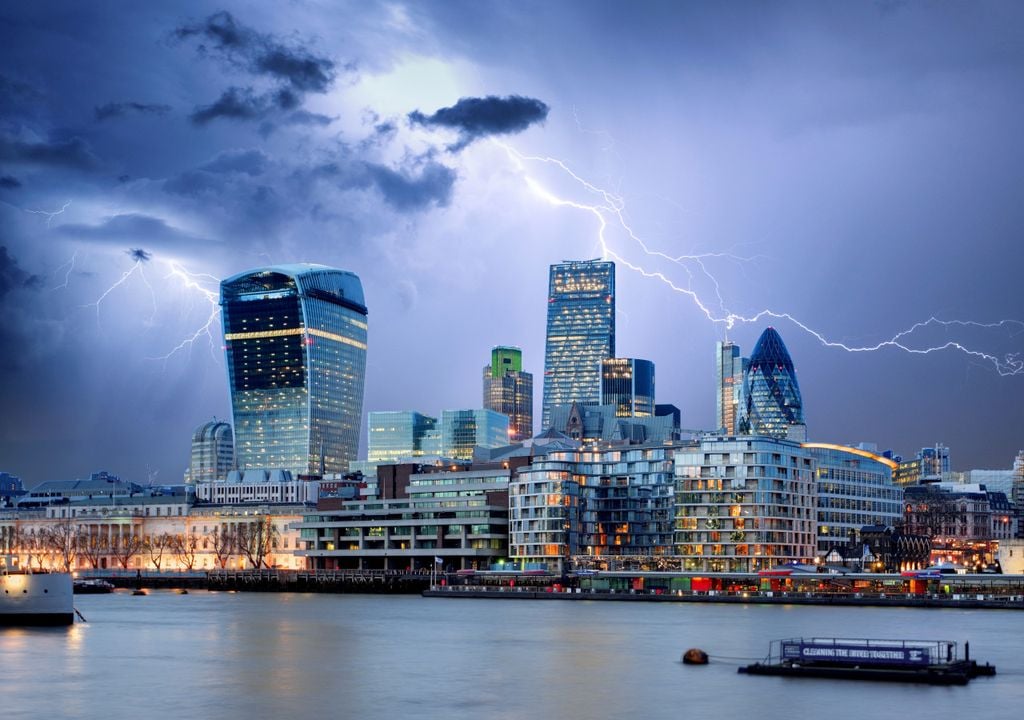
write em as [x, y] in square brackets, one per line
[695, 656]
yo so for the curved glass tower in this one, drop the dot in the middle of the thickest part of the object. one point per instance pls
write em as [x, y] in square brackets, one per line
[772, 396]
[295, 337]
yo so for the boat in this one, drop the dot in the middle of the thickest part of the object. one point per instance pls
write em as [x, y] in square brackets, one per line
[935, 662]
[92, 586]
[34, 598]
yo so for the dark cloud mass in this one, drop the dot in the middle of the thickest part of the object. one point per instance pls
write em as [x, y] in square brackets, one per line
[12, 276]
[250, 162]
[233, 104]
[138, 254]
[475, 118]
[9, 182]
[408, 192]
[73, 153]
[116, 110]
[130, 227]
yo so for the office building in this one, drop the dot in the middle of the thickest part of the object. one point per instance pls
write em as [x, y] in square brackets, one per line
[462, 430]
[771, 395]
[509, 390]
[393, 435]
[628, 385]
[296, 356]
[601, 423]
[580, 332]
[213, 452]
[729, 387]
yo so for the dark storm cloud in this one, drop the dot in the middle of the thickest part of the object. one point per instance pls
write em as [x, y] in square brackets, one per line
[9, 182]
[12, 276]
[116, 110]
[475, 118]
[260, 54]
[405, 191]
[16, 96]
[304, 117]
[131, 227]
[72, 153]
[250, 162]
[138, 254]
[234, 104]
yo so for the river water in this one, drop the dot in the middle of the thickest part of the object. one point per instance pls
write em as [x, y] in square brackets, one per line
[238, 655]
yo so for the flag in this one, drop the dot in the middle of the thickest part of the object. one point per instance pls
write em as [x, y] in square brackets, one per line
[437, 560]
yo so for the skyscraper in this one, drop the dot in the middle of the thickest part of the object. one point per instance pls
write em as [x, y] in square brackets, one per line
[213, 452]
[580, 332]
[462, 430]
[399, 434]
[296, 356]
[628, 384]
[509, 390]
[729, 389]
[772, 404]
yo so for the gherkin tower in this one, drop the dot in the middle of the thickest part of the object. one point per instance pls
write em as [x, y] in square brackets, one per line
[773, 406]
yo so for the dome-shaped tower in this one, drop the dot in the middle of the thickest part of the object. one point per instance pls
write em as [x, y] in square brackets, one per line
[773, 405]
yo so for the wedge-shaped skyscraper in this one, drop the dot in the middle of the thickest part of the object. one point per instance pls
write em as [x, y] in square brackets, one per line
[295, 337]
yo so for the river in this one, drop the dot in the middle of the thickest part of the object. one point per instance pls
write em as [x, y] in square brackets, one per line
[239, 655]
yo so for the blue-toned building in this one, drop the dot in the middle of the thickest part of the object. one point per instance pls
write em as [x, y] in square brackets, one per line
[580, 332]
[462, 430]
[396, 434]
[628, 385]
[295, 338]
[771, 395]
[730, 366]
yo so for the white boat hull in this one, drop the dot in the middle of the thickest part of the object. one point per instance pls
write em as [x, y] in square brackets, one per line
[36, 599]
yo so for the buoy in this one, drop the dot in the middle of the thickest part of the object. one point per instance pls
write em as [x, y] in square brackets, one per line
[183, 591]
[695, 656]
[140, 591]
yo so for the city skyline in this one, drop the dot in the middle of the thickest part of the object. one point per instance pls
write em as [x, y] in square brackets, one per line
[853, 168]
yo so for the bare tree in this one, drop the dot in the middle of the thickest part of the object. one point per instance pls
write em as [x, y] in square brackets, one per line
[156, 546]
[224, 543]
[185, 548]
[124, 548]
[61, 540]
[93, 546]
[256, 539]
[32, 547]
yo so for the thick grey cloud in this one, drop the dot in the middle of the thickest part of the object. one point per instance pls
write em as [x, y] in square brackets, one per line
[120, 109]
[12, 276]
[476, 117]
[139, 255]
[250, 162]
[407, 191]
[235, 104]
[73, 153]
[9, 182]
[132, 227]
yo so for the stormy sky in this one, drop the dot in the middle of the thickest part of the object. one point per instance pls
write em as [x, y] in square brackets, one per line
[854, 168]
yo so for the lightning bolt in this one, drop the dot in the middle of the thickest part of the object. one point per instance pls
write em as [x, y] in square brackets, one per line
[50, 215]
[135, 268]
[193, 281]
[70, 265]
[609, 209]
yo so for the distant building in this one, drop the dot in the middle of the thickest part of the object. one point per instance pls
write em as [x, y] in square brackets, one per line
[213, 452]
[400, 434]
[854, 488]
[462, 430]
[258, 486]
[744, 504]
[509, 390]
[601, 423]
[930, 464]
[627, 384]
[580, 333]
[729, 387]
[772, 402]
[295, 338]
[10, 488]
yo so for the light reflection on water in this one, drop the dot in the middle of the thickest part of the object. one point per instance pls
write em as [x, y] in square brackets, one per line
[235, 655]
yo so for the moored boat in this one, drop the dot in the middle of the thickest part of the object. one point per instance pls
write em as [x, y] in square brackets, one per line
[40, 598]
[92, 586]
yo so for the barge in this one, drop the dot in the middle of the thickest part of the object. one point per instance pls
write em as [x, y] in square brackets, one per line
[934, 662]
[28, 598]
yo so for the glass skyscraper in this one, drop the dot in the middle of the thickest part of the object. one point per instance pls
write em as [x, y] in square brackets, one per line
[509, 390]
[295, 339]
[772, 404]
[628, 384]
[580, 332]
[729, 388]
[213, 452]
[462, 430]
[400, 434]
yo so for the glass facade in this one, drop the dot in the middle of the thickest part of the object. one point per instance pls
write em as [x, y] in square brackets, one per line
[729, 396]
[462, 430]
[295, 338]
[509, 390]
[628, 385]
[580, 332]
[398, 434]
[772, 403]
[744, 504]
[213, 452]
[855, 488]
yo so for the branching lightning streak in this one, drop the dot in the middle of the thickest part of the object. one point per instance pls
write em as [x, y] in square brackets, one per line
[136, 267]
[50, 215]
[192, 282]
[70, 265]
[611, 208]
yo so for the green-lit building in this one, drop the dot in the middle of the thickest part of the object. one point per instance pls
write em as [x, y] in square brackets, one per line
[509, 391]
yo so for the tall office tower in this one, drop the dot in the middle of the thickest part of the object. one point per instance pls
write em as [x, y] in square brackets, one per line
[772, 404]
[213, 452]
[399, 434]
[729, 390]
[934, 461]
[509, 390]
[296, 357]
[580, 332]
[462, 430]
[628, 384]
